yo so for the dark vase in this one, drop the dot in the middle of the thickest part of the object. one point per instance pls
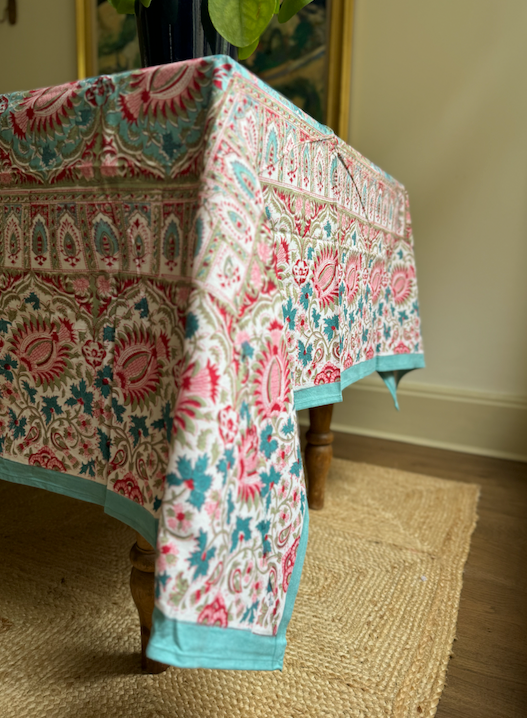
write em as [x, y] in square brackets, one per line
[174, 30]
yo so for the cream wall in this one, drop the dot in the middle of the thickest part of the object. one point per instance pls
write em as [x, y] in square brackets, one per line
[439, 100]
[40, 49]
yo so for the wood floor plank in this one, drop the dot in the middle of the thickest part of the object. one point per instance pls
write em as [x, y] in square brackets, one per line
[487, 676]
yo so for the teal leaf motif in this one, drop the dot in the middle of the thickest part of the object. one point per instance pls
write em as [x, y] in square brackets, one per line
[165, 422]
[269, 480]
[88, 468]
[202, 482]
[118, 410]
[241, 531]
[17, 426]
[226, 463]
[288, 427]
[200, 558]
[108, 334]
[191, 325]
[289, 314]
[305, 293]
[138, 428]
[50, 408]
[80, 395]
[142, 308]
[263, 528]
[305, 354]
[103, 381]
[247, 350]
[267, 444]
[331, 325]
[30, 391]
[7, 365]
[33, 300]
[105, 445]
[250, 613]
[230, 507]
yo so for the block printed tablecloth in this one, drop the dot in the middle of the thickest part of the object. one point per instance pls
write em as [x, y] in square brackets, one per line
[185, 259]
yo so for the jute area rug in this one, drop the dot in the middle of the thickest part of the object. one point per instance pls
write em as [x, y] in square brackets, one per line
[371, 634]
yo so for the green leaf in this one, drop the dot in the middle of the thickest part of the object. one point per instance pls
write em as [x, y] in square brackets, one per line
[245, 52]
[241, 22]
[277, 7]
[146, 3]
[124, 7]
[290, 8]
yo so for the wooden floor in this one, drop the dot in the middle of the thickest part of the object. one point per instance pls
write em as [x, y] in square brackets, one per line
[487, 677]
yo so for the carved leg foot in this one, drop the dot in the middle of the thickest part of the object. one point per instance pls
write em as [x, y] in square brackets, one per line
[318, 454]
[143, 557]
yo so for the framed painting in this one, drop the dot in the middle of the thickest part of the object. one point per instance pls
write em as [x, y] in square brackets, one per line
[307, 59]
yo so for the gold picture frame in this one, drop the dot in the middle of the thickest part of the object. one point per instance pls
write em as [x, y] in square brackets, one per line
[339, 47]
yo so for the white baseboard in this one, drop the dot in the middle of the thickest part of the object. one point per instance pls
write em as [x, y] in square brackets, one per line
[442, 417]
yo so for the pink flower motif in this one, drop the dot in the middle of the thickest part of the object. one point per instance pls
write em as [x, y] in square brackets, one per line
[272, 380]
[370, 353]
[377, 280]
[166, 556]
[281, 258]
[300, 271]
[136, 366]
[326, 276]
[352, 276]
[401, 348]
[180, 522]
[213, 509]
[228, 424]
[44, 348]
[94, 353]
[401, 283]
[215, 613]
[288, 564]
[81, 286]
[46, 459]
[44, 110]
[329, 374]
[167, 88]
[194, 386]
[256, 277]
[104, 286]
[249, 483]
[128, 486]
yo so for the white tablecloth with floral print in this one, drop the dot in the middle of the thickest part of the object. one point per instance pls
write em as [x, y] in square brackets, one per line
[186, 258]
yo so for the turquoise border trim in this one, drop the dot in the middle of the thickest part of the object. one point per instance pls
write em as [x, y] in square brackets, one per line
[195, 645]
[116, 505]
[332, 393]
[133, 515]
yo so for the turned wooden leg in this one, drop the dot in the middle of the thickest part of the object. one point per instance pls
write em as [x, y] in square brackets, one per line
[143, 558]
[318, 454]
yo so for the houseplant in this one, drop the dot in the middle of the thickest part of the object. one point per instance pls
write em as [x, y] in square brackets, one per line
[171, 30]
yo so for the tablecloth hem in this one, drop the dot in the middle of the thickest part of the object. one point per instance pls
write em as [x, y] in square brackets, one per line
[322, 394]
[187, 645]
[115, 505]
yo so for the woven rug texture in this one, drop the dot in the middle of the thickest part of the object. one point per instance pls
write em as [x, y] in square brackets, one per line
[371, 633]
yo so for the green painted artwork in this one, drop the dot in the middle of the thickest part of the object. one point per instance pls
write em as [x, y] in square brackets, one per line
[117, 45]
[292, 58]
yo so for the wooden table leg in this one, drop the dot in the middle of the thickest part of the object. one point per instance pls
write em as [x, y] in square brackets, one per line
[143, 557]
[318, 454]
